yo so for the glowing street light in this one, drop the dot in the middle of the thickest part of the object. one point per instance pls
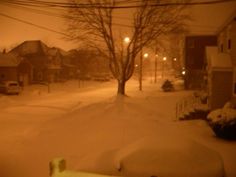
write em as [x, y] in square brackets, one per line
[127, 40]
[175, 59]
[183, 72]
[164, 59]
[145, 55]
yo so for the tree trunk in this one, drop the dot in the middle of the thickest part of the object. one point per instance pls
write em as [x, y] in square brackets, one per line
[121, 87]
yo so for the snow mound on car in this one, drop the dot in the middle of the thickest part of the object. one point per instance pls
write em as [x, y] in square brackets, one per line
[168, 157]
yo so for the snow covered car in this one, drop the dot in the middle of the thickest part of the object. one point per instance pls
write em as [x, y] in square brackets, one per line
[10, 87]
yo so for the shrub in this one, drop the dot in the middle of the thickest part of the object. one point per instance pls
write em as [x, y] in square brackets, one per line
[223, 122]
[167, 86]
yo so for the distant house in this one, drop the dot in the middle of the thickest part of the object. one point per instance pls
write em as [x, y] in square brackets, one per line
[54, 64]
[195, 60]
[14, 68]
[45, 61]
[68, 69]
[89, 63]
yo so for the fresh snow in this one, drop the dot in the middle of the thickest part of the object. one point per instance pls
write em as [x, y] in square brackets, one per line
[96, 131]
[223, 115]
[218, 60]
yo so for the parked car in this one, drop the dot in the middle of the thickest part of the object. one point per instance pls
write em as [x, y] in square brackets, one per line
[10, 87]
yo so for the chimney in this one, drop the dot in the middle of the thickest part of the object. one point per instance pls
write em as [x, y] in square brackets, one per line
[4, 51]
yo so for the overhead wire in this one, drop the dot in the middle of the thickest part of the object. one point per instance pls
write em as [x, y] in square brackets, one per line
[23, 4]
[49, 13]
[100, 5]
[43, 12]
[33, 24]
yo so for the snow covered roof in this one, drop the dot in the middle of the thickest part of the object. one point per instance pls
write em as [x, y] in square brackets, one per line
[9, 60]
[218, 60]
[30, 47]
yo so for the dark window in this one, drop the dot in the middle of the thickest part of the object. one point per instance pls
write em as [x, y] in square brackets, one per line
[229, 44]
[2, 75]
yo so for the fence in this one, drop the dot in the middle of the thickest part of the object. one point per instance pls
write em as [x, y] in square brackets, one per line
[186, 106]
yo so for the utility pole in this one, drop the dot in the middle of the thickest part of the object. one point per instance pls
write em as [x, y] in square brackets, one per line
[141, 67]
[156, 56]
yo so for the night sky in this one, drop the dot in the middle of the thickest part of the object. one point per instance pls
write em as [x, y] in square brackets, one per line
[206, 19]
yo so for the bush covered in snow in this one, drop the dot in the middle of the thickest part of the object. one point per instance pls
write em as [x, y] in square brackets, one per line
[167, 86]
[223, 121]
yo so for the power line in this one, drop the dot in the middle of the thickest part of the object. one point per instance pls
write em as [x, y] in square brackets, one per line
[43, 12]
[66, 17]
[32, 24]
[101, 5]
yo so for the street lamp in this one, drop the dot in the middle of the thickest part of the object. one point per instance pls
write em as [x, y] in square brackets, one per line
[155, 79]
[126, 40]
[145, 55]
[164, 59]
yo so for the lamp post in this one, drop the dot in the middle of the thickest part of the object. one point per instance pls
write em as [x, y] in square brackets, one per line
[155, 77]
[163, 62]
[140, 70]
[145, 55]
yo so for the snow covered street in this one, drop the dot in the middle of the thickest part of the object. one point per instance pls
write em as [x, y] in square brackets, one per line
[89, 127]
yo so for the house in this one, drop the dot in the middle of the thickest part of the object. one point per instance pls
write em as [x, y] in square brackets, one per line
[14, 68]
[220, 77]
[221, 64]
[45, 61]
[89, 63]
[53, 65]
[68, 69]
[227, 45]
[195, 60]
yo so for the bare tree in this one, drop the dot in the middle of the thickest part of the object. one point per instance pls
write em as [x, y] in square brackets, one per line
[93, 22]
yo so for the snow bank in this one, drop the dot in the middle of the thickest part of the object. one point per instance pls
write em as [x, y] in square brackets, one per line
[178, 84]
[166, 156]
[95, 133]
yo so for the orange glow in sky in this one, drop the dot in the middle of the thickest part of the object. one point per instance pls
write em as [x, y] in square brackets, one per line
[205, 20]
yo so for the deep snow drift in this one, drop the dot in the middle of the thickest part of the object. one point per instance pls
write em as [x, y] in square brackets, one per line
[96, 131]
